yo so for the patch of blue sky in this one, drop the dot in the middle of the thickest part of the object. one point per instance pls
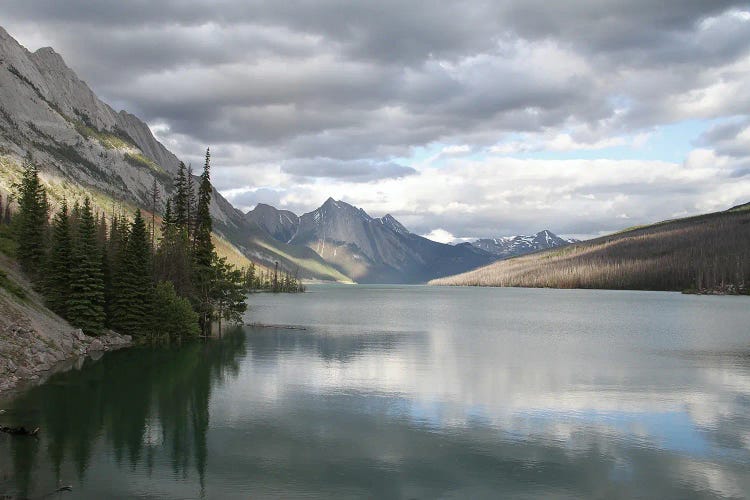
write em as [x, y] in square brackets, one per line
[668, 143]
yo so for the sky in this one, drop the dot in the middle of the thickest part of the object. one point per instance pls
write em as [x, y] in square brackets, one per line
[463, 119]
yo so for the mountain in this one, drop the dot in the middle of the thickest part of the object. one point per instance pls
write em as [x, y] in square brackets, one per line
[708, 252]
[84, 147]
[367, 249]
[281, 224]
[511, 246]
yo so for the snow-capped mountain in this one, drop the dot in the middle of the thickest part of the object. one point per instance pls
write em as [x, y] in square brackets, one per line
[512, 246]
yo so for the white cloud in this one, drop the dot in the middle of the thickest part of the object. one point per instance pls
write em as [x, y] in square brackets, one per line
[440, 235]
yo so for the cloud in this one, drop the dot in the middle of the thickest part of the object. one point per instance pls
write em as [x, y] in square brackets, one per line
[336, 98]
[350, 170]
[440, 235]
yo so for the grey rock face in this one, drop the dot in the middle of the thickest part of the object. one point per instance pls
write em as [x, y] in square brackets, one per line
[379, 250]
[281, 224]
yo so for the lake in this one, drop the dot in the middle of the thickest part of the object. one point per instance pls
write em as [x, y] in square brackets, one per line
[409, 392]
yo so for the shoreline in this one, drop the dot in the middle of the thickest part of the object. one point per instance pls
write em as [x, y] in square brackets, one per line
[28, 359]
[34, 341]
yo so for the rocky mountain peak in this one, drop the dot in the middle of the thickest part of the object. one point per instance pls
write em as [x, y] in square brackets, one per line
[390, 221]
[512, 246]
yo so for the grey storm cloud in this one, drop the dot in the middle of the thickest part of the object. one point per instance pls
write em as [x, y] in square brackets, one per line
[342, 90]
[727, 138]
[291, 75]
[357, 169]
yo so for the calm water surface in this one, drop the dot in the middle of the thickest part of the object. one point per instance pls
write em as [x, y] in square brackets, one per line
[409, 392]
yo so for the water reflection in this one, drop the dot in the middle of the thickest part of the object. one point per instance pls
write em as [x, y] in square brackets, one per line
[410, 393]
[132, 402]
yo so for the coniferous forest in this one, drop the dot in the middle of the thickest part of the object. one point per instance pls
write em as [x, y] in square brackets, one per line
[113, 271]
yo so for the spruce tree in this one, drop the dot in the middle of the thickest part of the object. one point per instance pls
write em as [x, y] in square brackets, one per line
[172, 259]
[190, 203]
[154, 207]
[31, 221]
[203, 251]
[85, 305]
[228, 292]
[59, 261]
[133, 284]
[179, 204]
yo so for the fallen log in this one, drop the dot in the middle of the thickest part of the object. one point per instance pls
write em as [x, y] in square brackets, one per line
[19, 431]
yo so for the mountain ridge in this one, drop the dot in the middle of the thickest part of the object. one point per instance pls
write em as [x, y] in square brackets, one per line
[371, 249]
[83, 146]
[511, 246]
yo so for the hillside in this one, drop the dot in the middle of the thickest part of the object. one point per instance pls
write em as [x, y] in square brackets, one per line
[701, 252]
[83, 147]
[33, 339]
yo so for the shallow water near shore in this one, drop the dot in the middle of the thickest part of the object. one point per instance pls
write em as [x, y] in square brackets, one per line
[409, 392]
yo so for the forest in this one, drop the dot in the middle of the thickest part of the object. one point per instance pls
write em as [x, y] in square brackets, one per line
[121, 272]
[703, 254]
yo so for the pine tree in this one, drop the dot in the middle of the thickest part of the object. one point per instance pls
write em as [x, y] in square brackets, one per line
[133, 285]
[172, 260]
[31, 221]
[227, 292]
[203, 252]
[85, 305]
[179, 203]
[154, 207]
[190, 203]
[59, 261]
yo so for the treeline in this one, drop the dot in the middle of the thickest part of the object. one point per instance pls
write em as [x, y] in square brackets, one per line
[272, 281]
[115, 274]
[706, 254]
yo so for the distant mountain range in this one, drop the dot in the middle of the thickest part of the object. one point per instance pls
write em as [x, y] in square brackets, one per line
[367, 249]
[512, 246]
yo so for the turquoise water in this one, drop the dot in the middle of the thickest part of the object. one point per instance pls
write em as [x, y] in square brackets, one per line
[409, 392]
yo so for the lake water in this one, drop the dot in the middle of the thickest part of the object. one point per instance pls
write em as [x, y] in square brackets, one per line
[409, 392]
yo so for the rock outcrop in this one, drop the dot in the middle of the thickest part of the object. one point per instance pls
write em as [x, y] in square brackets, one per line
[34, 341]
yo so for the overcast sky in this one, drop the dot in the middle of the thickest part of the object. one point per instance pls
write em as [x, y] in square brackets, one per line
[462, 119]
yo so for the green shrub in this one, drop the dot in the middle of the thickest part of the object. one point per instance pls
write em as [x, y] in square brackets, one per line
[174, 317]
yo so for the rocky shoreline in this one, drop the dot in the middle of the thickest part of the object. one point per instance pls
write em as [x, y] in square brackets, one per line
[34, 341]
[26, 356]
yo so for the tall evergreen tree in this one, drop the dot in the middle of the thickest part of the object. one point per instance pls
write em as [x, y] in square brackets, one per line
[190, 203]
[154, 207]
[203, 251]
[85, 305]
[133, 285]
[179, 203]
[59, 261]
[172, 260]
[31, 221]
